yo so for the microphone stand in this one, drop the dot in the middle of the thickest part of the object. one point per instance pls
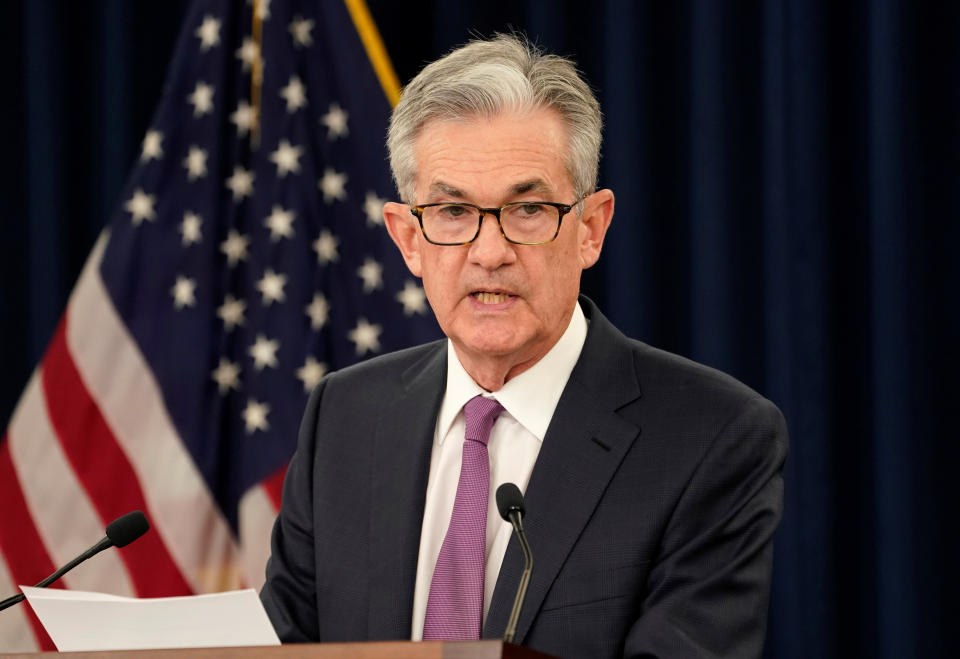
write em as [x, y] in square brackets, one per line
[517, 522]
[96, 549]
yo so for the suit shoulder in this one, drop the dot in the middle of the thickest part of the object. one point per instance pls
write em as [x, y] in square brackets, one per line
[686, 390]
[690, 405]
[358, 392]
[625, 370]
[672, 371]
[389, 367]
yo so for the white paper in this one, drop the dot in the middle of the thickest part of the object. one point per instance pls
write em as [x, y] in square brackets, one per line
[78, 620]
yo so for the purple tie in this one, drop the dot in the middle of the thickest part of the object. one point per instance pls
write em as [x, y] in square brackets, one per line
[455, 603]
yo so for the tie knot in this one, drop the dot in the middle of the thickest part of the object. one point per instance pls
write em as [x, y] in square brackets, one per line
[480, 414]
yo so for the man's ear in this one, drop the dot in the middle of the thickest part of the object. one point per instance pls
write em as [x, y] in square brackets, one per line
[402, 227]
[597, 214]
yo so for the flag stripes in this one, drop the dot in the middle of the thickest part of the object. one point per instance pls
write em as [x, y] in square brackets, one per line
[23, 551]
[257, 512]
[178, 501]
[73, 446]
[273, 486]
[59, 506]
[104, 470]
[16, 627]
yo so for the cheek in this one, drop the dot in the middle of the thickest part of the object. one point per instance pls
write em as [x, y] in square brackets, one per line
[441, 278]
[561, 279]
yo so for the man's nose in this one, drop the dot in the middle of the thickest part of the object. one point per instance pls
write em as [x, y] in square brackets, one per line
[491, 249]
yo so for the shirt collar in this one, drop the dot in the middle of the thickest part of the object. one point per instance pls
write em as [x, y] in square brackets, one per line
[531, 397]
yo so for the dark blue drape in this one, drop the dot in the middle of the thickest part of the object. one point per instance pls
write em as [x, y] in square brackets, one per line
[80, 83]
[787, 205]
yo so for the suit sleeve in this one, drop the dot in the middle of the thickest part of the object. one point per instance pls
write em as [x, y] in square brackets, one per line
[708, 594]
[289, 592]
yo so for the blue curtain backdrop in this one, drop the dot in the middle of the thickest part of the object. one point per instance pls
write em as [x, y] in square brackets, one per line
[788, 202]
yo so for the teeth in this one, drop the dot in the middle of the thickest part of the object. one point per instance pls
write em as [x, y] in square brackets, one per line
[490, 298]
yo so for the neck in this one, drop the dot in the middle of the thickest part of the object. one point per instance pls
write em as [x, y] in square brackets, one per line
[491, 373]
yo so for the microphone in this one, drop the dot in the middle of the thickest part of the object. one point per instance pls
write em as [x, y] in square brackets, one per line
[510, 505]
[120, 533]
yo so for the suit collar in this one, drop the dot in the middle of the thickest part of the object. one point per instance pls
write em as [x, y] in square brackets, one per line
[607, 364]
[583, 448]
[400, 465]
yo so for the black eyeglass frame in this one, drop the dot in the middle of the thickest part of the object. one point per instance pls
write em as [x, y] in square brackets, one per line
[417, 212]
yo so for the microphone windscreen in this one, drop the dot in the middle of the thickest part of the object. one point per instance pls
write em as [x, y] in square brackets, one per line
[127, 528]
[509, 499]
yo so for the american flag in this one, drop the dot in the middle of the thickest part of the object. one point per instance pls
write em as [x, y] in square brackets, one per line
[246, 259]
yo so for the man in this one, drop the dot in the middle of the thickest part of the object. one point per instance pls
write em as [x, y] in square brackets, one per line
[652, 484]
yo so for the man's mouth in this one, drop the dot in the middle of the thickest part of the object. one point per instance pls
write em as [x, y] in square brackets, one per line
[490, 297]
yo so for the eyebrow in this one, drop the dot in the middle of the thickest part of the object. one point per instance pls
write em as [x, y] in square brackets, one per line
[533, 185]
[439, 188]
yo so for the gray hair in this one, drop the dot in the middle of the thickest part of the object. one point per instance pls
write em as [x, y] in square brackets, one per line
[483, 79]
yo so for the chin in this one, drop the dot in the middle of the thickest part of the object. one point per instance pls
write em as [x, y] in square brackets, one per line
[491, 341]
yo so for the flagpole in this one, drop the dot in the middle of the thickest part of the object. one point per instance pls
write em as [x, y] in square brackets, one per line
[376, 51]
[256, 72]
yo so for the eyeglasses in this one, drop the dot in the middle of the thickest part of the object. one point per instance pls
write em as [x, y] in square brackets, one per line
[521, 222]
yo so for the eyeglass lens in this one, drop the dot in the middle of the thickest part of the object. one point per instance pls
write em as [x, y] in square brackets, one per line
[521, 222]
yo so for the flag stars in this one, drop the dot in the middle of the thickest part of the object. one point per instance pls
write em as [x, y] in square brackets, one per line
[184, 292]
[247, 53]
[231, 312]
[373, 207]
[244, 118]
[235, 247]
[326, 248]
[280, 223]
[271, 287]
[286, 158]
[413, 299]
[311, 373]
[140, 207]
[318, 311]
[190, 228]
[240, 183]
[264, 352]
[371, 273]
[365, 336]
[333, 186]
[152, 148]
[208, 33]
[336, 122]
[226, 375]
[295, 94]
[196, 163]
[201, 99]
[255, 416]
[300, 31]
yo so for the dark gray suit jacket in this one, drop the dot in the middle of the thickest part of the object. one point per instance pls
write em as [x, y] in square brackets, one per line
[650, 509]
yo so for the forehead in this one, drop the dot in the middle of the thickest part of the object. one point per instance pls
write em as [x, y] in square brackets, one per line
[489, 159]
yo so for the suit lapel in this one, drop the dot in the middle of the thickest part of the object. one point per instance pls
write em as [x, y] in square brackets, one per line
[401, 461]
[583, 448]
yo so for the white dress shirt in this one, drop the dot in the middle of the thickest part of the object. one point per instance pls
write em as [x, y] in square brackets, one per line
[529, 401]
